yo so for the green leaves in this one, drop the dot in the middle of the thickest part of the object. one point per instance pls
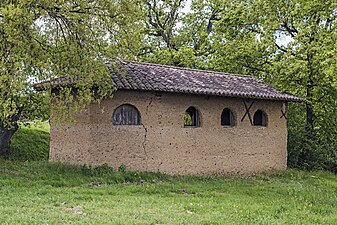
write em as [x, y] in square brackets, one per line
[291, 44]
[301, 65]
[48, 39]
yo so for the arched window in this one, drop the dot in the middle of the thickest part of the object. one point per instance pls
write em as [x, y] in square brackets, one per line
[260, 118]
[227, 118]
[191, 117]
[126, 115]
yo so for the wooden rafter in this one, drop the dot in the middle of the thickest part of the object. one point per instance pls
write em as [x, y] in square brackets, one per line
[245, 102]
[284, 111]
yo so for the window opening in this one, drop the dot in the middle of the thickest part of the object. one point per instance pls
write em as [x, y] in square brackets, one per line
[126, 115]
[260, 118]
[191, 117]
[227, 118]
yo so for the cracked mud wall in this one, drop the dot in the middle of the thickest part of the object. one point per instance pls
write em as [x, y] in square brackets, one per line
[162, 143]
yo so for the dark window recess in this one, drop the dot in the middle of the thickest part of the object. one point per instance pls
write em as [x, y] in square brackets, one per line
[191, 117]
[126, 115]
[227, 118]
[260, 118]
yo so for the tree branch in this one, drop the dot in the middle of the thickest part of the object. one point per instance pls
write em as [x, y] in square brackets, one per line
[290, 29]
[283, 49]
[87, 11]
[212, 18]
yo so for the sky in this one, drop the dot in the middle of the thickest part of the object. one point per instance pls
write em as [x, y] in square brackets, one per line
[187, 7]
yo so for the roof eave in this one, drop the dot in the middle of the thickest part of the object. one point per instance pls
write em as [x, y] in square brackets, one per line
[245, 96]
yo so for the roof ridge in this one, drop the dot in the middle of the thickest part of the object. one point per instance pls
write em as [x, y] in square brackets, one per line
[192, 69]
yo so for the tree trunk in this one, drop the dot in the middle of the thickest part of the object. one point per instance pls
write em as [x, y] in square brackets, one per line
[310, 116]
[6, 135]
[309, 97]
[7, 132]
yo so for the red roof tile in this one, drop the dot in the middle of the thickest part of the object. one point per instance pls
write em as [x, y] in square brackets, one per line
[154, 77]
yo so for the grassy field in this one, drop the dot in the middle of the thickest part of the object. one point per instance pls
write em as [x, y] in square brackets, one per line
[31, 143]
[38, 192]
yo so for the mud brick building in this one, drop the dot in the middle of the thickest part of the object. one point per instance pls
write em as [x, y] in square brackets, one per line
[180, 121]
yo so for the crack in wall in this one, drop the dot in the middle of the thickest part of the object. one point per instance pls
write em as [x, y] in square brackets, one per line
[150, 102]
[144, 146]
[145, 135]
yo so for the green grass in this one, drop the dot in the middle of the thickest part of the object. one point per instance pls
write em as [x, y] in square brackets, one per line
[38, 192]
[44, 193]
[30, 143]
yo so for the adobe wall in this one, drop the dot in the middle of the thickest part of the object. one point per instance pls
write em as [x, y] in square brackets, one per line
[162, 143]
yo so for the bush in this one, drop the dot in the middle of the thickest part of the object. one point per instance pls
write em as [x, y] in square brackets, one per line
[310, 150]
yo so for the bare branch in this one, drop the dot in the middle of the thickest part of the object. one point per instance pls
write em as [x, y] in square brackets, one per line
[254, 68]
[163, 23]
[283, 49]
[290, 29]
[88, 11]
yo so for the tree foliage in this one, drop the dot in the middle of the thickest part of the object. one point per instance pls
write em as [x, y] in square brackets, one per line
[48, 39]
[304, 65]
[289, 43]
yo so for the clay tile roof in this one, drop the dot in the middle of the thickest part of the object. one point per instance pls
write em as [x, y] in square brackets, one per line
[154, 77]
